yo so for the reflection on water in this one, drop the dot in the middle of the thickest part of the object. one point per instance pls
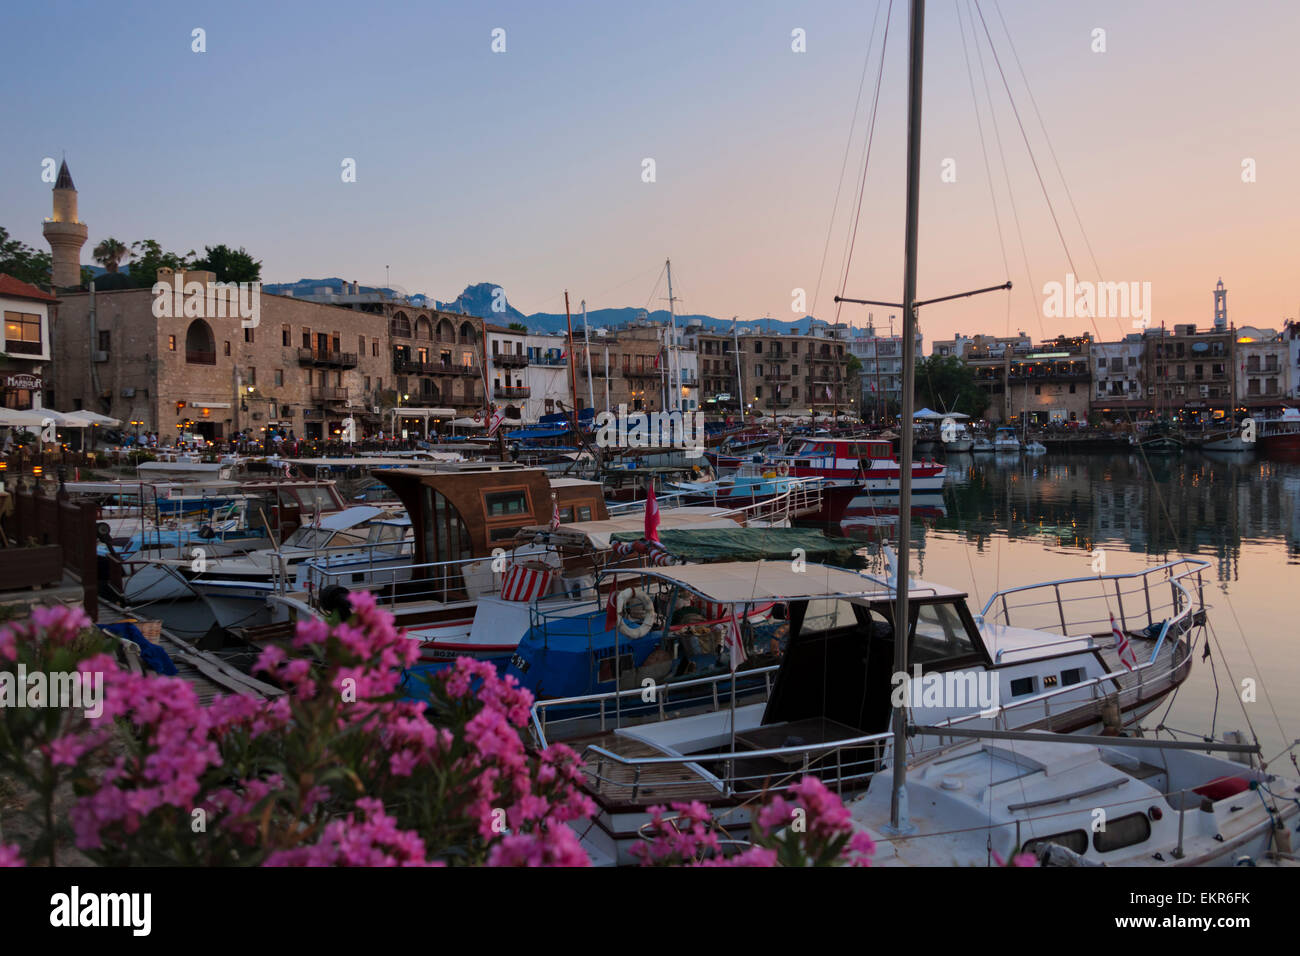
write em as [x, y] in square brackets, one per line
[1003, 522]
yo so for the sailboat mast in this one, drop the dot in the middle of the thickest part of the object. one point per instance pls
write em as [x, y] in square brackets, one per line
[897, 807]
[586, 355]
[573, 375]
[674, 400]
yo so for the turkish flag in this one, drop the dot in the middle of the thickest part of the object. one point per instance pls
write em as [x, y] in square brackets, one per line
[611, 608]
[651, 516]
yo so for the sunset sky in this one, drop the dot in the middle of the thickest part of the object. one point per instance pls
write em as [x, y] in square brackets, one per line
[524, 168]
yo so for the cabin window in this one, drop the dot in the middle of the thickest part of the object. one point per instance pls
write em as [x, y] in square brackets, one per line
[1022, 686]
[1076, 840]
[501, 504]
[1075, 675]
[828, 614]
[1123, 832]
[939, 635]
[584, 513]
[566, 515]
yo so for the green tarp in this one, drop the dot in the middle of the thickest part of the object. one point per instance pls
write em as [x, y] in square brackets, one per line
[753, 544]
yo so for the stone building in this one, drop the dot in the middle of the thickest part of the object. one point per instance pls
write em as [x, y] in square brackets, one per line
[780, 374]
[199, 371]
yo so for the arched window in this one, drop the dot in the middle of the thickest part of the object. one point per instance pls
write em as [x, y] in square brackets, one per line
[400, 325]
[200, 345]
[446, 331]
[423, 327]
[466, 333]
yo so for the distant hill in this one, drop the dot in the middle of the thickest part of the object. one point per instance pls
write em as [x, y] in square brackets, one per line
[478, 299]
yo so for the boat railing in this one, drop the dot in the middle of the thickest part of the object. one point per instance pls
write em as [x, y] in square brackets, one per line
[1152, 678]
[846, 764]
[1079, 608]
[843, 763]
[442, 581]
[801, 496]
[649, 702]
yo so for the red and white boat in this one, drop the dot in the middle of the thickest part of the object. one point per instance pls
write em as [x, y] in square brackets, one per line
[866, 463]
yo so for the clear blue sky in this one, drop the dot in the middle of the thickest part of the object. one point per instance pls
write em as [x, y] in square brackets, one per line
[524, 168]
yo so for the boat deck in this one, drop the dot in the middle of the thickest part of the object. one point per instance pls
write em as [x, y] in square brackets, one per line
[619, 786]
[211, 676]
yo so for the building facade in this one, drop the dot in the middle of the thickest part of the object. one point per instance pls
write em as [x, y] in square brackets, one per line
[1118, 388]
[304, 367]
[779, 374]
[25, 349]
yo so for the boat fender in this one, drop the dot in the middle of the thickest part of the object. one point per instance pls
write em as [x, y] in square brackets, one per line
[783, 470]
[206, 532]
[635, 601]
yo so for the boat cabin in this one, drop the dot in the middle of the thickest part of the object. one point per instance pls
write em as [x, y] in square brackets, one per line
[465, 510]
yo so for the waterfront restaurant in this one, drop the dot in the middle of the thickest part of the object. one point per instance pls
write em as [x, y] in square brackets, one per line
[25, 348]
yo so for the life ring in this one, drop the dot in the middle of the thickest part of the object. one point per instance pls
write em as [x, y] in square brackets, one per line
[638, 597]
[783, 470]
[478, 415]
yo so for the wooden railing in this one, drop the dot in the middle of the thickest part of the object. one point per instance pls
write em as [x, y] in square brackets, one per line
[44, 520]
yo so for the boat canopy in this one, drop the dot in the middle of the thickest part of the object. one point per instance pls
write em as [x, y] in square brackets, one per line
[752, 544]
[745, 582]
[599, 534]
[349, 517]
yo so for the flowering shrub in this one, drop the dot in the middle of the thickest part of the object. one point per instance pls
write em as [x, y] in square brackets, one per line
[342, 770]
[44, 747]
[812, 829]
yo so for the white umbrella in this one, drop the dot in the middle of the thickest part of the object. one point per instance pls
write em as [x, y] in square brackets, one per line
[95, 418]
[467, 423]
[24, 418]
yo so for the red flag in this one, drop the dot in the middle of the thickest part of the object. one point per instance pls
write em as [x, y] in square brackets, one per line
[735, 643]
[611, 608]
[498, 416]
[651, 516]
[1122, 645]
[657, 355]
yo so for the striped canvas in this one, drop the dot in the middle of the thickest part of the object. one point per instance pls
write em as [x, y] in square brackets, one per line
[525, 584]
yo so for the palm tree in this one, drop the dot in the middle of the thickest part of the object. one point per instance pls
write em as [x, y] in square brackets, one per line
[110, 252]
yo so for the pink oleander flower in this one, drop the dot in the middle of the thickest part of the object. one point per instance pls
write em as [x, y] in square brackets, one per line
[9, 855]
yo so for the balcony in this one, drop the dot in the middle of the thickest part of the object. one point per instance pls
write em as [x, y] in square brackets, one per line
[597, 367]
[324, 394]
[328, 358]
[629, 372]
[506, 360]
[777, 377]
[194, 358]
[511, 392]
[404, 365]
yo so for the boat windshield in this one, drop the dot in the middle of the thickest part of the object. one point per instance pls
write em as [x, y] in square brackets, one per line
[308, 537]
[940, 635]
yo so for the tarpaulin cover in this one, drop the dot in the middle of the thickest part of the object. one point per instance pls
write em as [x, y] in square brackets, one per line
[753, 544]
